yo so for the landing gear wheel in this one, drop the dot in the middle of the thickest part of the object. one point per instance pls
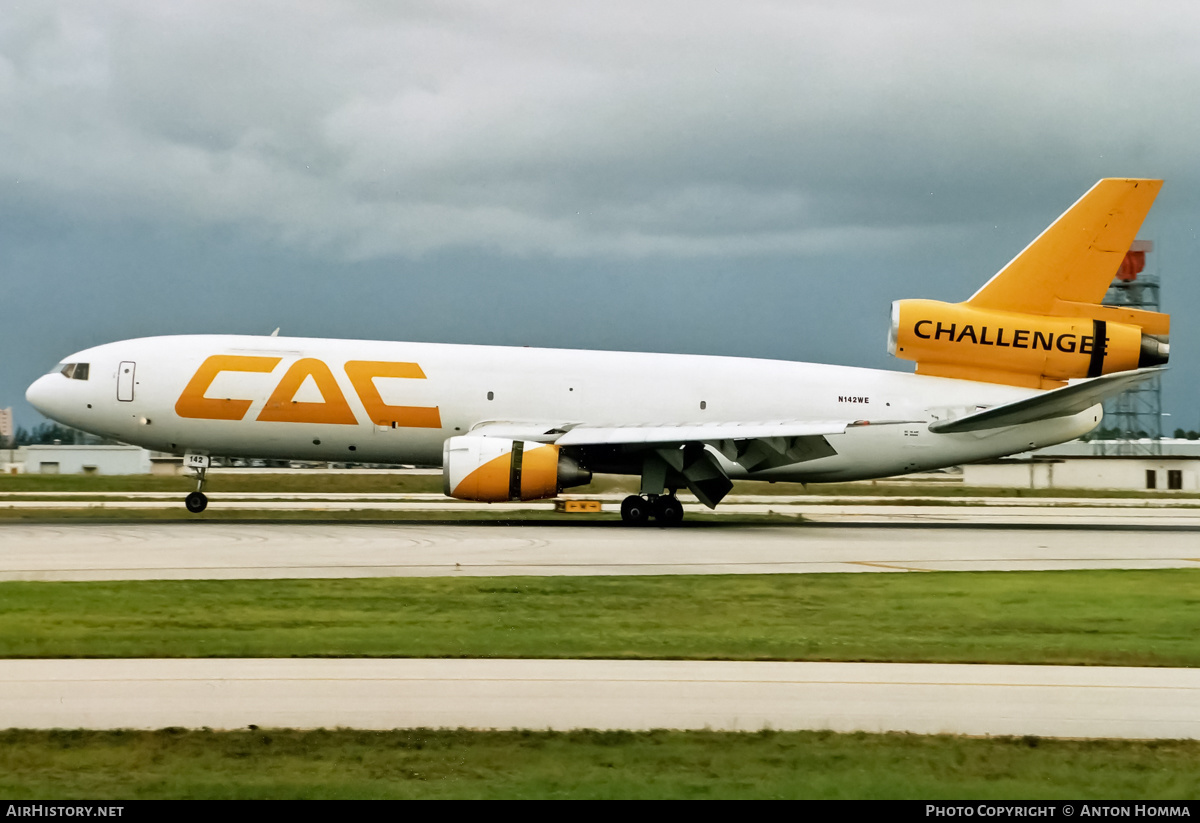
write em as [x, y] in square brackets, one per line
[196, 502]
[668, 511]
[635, 510]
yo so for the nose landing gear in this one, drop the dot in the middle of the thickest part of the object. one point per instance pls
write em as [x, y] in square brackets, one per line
[197, 501]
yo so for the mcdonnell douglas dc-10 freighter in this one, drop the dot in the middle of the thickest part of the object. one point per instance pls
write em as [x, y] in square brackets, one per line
[1024, 363]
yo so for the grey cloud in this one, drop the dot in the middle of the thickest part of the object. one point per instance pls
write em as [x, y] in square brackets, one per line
[677, 129]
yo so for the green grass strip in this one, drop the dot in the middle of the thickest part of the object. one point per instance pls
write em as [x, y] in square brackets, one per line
[281, 764]
[1123, 618]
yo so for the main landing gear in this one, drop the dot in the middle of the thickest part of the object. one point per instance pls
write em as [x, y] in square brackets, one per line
[666, 509]
[197, 502]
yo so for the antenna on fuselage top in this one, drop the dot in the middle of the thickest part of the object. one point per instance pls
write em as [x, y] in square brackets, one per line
[275, 333]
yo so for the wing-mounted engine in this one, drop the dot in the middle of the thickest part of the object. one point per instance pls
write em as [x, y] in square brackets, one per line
[496, 469]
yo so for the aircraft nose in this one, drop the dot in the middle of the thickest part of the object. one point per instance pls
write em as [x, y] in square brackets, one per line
[41, 394]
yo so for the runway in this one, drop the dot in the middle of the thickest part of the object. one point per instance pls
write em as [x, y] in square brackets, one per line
[240, 550]
[1048, 701]
[1046, 511]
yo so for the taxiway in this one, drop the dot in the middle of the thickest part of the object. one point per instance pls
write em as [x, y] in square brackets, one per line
[238, 550]
[1049, 701]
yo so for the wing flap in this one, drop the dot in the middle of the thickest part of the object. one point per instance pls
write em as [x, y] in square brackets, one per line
[587, 435]
[1055, 403]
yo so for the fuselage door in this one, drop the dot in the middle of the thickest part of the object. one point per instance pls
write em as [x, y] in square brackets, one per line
[125, 381]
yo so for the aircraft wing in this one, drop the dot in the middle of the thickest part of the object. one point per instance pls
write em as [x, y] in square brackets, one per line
[587, 435]
[1055, 403]
[651, 434]
[679, 450]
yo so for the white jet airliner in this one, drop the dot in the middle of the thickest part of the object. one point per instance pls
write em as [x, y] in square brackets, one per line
[1023, 363]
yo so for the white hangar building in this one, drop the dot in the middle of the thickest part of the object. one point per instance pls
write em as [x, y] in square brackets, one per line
[1094, 464]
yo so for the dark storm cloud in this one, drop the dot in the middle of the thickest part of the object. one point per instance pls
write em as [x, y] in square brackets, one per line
[271, 162]
[581, 129]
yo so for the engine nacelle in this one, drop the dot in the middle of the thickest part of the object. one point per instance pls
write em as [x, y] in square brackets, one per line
[961, 341]
[495, 469]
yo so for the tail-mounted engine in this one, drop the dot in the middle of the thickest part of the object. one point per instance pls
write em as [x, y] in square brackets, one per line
[1041, 320]
[962, 341]
[495, 469]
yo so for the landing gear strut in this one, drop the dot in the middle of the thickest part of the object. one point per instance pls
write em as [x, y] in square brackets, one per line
[197, 502]
[637, 510]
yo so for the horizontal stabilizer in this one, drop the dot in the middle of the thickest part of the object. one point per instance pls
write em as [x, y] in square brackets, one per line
[1056, 403]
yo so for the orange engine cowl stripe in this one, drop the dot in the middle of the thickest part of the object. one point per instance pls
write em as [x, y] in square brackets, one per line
[489, 483]
[518, 474]
[539, 473]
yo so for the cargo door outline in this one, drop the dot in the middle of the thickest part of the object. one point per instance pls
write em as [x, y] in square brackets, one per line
[125, 375]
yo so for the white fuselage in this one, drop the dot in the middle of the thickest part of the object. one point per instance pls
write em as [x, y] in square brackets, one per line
[552, 388]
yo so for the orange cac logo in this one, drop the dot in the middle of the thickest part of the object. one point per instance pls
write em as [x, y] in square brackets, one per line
[193, 403]
[362, 374]
[282, 406]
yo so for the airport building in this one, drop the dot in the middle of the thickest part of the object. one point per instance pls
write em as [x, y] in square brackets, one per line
[1096, 464]
[12, 461]
[1132, 473]
[71, 459]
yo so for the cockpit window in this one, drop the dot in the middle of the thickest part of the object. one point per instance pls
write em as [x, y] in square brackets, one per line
[75, 371]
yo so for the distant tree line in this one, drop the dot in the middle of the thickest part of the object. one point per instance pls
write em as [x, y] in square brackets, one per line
[1117, 434]
[42, 434]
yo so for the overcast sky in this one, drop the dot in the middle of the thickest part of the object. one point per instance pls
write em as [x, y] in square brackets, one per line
[750, 178]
